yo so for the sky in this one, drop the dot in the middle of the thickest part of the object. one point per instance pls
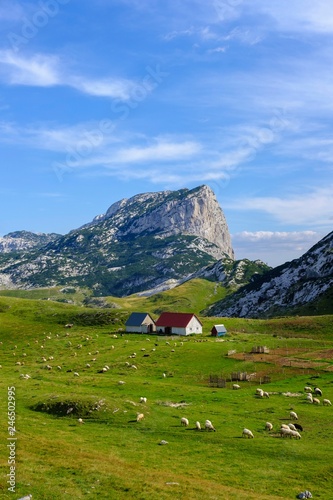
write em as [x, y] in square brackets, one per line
[107, 99]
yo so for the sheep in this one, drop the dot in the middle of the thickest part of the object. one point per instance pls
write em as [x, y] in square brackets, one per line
[309, 398]
[198, 426]
[76, 374]
[80, 421]
[327, 402]
[298, 427]
[295, 434]
[59, 367]
[317, 391]
[209, 426]
[121, 382]
[265, 394]
[316, 401]
[247, 433]
[139, 417]
[308, 389]
[293, 415]
[143, 400]
[259, 392]
[284, 426]
[184, 421]
[284, 432]
[134, 367]
[235, 386]
[268, 426]
[292, 427]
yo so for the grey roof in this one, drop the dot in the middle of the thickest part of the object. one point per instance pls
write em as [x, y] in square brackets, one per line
[220, 328]
[137, 318]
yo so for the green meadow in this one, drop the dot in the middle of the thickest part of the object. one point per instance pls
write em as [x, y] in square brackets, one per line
[112, 456]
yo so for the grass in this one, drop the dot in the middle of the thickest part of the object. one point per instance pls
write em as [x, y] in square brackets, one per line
[111, 455]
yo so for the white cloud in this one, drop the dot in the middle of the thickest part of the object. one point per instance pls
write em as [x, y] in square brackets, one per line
[307, 207]
[46, 71]
[38, 70]
[298, 15]
[163, 150]
[274, 248]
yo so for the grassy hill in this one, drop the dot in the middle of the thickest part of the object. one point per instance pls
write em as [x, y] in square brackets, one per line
[111, 455]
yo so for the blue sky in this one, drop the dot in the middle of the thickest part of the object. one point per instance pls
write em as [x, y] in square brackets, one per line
[107, 99]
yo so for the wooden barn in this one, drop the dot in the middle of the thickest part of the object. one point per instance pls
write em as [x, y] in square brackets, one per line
[218, 331]
[140, 323]
[178, 324]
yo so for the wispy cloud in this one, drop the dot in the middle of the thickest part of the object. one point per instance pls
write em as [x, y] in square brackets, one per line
[48, 70]
[310, 206]
[38, 70]
[275, 248]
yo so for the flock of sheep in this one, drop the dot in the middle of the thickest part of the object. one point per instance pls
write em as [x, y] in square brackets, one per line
[291, 430]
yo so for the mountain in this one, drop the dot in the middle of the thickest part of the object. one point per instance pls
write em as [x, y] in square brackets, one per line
[24, 240]
[304, 285]
[138, 244]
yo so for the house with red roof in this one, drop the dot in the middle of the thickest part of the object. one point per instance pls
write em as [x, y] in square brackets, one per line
[178, 324]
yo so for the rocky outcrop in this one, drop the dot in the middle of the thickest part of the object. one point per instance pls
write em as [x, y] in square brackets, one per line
[25, 240]
[284, 289]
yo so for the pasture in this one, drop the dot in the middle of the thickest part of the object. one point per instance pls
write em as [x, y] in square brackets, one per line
[112, 456]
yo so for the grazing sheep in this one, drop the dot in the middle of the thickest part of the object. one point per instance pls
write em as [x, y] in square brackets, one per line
[292, 427]
[80, 421]
[293, 415]
[308, 389]
[76, 374]
[309, 398]
[247, 433]
[316, 401]
[198, 426]
[284, 432]
[268, 426]
[327, 402]
[235, 386]
[134, 367]
[139, 417]
[59, 367]
[121, 382]
[184, 421]
[163, 442]
[298, 427]
[265, 394]
[209, 426]
[259, 392]
[317, 391]
[295, 434]
[284, 426]
[143, 400]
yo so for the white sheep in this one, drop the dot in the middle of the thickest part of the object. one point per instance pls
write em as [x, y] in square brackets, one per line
[139, 417]
[316, 401]
[184, 421]
[295, 434]
[235, 386]
[327, 402]
[209, 426]
[198, 426]
[247, 433]
[286, 431]
[259, 392]
[292, 427]
[80, 420]
[308, 389]
[309, 398]
[143, 400]
[268, 426]
[293, 415]
[284, 426]
[265, 394]
[76, 374]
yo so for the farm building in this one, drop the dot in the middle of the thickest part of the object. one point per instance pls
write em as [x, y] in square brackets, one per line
[178, 324]
[218, 331]
[140, 323]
